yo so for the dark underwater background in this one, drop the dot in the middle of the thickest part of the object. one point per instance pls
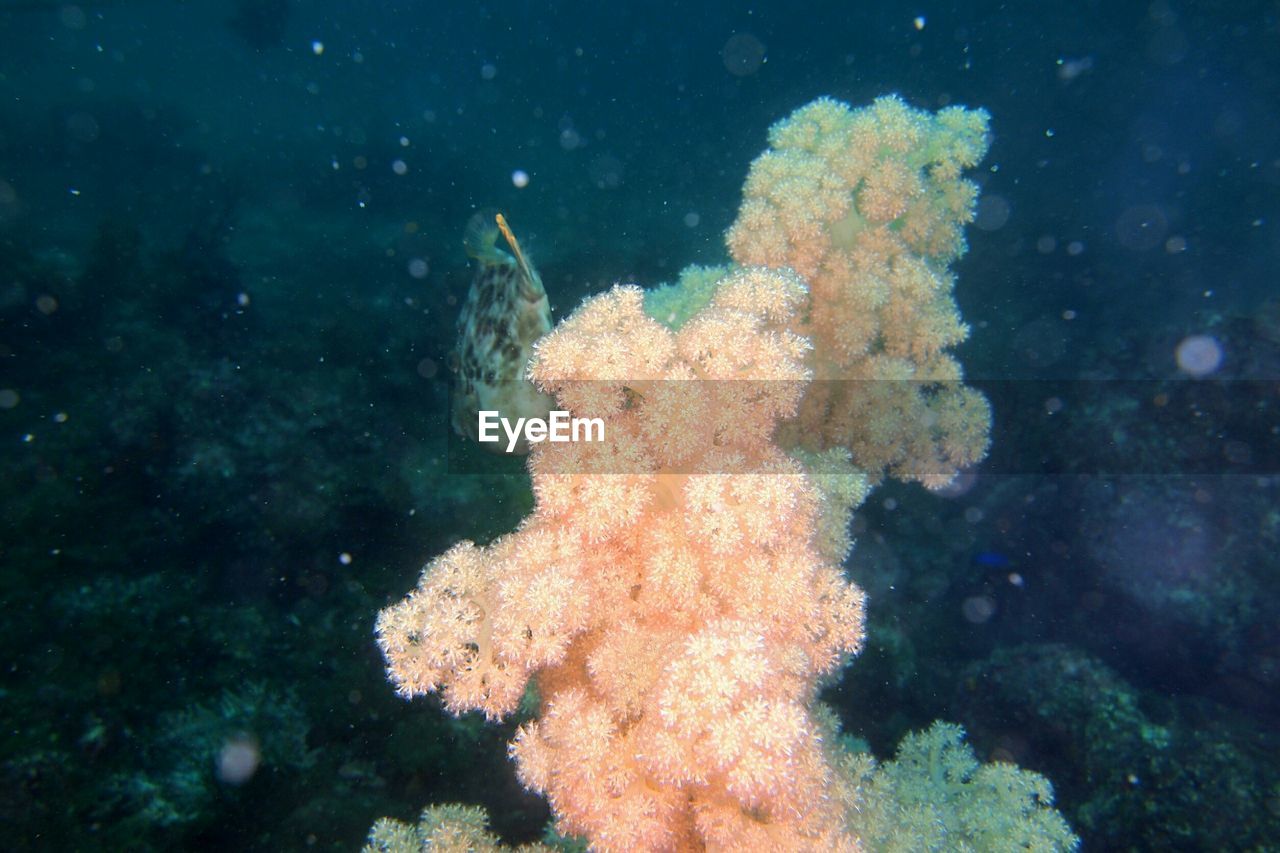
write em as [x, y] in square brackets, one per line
[230, 269]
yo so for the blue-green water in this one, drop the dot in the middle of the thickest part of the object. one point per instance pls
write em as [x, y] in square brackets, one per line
[231, 266]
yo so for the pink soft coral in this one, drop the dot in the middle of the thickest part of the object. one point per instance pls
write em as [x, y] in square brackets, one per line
[667, 590]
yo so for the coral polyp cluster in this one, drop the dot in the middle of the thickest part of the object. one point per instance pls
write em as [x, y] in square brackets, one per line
[678, 610]
[868, 206]
[677, 591]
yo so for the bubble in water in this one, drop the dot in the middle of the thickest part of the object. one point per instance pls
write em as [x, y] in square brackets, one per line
[238, 759]
[742, 54]
[1198, 355]
[978, 609]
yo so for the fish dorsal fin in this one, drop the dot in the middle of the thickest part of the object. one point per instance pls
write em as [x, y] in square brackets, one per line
[481, 239]
[533, 285]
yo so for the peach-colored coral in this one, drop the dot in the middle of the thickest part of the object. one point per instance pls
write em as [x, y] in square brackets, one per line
[677, 592]
[669, 591]
[867, 205]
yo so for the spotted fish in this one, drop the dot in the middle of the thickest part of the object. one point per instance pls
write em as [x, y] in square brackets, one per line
[505, 313]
